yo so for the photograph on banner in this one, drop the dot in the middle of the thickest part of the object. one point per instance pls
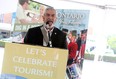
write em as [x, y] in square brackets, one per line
[28, 14]
[74, 23]
[6, 22]
[33, 62]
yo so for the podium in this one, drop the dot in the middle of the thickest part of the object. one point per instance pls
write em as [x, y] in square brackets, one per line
[33, 62]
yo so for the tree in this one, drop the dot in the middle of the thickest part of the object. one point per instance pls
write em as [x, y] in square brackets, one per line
[112, 42]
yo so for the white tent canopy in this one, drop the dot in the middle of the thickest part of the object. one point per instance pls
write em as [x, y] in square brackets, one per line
[75, 4]
[101, 20]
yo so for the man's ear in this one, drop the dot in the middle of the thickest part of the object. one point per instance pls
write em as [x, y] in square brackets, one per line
[55, 19]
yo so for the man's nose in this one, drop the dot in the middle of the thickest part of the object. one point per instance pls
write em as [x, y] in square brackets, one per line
[50, 17]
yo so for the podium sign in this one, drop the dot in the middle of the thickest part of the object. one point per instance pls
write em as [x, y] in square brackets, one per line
[34, 62]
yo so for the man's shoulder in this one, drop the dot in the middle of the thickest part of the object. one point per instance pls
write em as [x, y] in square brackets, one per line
[35, 28]
[59, 31]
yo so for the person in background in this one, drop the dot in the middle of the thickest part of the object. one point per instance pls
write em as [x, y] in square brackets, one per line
[47, 34]
[21, 16]
[20, 13]
[72, 48]
[78, 41]
[41, 10]
[66, 32]
[82, 48]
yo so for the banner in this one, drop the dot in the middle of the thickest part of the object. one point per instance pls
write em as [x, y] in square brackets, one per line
[74, 23]
[31, 16]
[72, 19]
[33, 62]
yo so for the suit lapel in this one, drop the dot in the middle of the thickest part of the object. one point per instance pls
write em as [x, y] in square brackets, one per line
[40, 36]
[54, 33]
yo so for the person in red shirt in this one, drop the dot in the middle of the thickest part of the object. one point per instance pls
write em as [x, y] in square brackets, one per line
[72, 48]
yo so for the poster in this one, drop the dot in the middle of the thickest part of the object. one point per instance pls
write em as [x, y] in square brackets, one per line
[28, 17]
[33, 62]
[75, 24]
[72, 19]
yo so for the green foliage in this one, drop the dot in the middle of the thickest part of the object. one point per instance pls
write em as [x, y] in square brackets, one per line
[34, 6]
[105, 58]
[112, 42]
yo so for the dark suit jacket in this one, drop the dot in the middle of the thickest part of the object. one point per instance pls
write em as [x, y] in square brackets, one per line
[34, 36]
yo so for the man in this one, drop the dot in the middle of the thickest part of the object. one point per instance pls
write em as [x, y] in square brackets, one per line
[20, 14]
[72, 47]
[83, 42]
[78, 41]
[82, 48]
[47, 34]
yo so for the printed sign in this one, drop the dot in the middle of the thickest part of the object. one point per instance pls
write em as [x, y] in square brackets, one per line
[34, 62]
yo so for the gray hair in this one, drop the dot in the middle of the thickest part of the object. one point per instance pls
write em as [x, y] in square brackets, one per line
[49, 8]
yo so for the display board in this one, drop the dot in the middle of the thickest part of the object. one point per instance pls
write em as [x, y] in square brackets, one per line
[33, 62]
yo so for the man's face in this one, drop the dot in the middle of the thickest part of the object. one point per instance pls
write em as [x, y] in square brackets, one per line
[69, 36]
[83, 36]
[26, 5]
[50, 16]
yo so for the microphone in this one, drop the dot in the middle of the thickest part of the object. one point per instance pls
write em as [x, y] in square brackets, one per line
[49, 25]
